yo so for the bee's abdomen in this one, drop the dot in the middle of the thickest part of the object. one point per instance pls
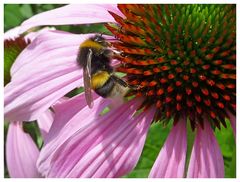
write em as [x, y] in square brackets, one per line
[106, 89]
[99, 78]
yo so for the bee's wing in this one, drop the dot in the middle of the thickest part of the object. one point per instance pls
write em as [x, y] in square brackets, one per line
[87, 80]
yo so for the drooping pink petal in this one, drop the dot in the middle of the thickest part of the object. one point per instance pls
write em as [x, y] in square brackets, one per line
[62, 130]
[206, 159]
[44, 72]
[232, 119]
[21, 153]
[110, 158]
[45, 121]
[12, 33]
[33, 35]
[90, 145]
[73, 14]
[170, 162]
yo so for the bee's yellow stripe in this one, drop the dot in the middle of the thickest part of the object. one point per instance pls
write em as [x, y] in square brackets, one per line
[90, 43]
[99, 79]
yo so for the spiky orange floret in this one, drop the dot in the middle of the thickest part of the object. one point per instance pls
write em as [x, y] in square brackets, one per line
[182, 57]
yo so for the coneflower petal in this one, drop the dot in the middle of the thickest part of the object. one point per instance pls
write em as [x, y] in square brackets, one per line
[21, 153]
[170, 162]
[12, 33]
[99, 146]
[206, 159]
[49, 44]
[43, 74]
[92, 132]
[61, 130]
[45, 121]
[72, 14]
[110, 158]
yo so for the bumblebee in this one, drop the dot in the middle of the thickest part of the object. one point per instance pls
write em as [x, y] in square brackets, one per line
[95, 58]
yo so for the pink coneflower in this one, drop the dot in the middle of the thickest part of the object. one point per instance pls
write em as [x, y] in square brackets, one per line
[181, 57]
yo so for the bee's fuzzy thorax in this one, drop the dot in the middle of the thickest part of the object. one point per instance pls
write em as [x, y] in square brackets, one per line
[91, 44]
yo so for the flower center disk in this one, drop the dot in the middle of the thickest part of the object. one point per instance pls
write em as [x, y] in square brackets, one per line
[181, 57]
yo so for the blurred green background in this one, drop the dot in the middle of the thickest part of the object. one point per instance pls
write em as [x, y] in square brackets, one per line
[15, 14]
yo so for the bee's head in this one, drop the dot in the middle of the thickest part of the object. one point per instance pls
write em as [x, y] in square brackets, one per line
[99, 39]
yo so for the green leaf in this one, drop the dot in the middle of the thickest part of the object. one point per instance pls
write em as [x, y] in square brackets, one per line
[12, 16]
[75, 92]
[6, 126]
[26, 10]
[33, 129]
[227, 145]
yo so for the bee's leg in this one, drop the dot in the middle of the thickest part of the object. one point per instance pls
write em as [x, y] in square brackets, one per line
[107, 52]
[111, 53]
[120, 81]
[135, 87]
[119, 54]
[124, 83]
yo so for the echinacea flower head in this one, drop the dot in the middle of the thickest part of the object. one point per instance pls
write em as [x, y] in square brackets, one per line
[180, 58]
[183, 57]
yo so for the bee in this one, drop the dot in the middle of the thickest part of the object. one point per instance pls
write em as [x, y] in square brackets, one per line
[95, 58]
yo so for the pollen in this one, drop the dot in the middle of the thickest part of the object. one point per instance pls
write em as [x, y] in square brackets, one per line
[181, 58]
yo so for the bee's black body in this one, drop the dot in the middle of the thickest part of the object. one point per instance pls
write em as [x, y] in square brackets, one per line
[95, 58]
[100, 58]
[106, 89]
